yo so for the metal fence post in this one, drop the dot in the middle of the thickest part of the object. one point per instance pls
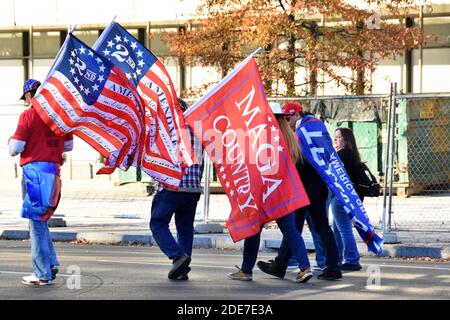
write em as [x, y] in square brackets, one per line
[391, 162]
[206, 189]
[386, 159]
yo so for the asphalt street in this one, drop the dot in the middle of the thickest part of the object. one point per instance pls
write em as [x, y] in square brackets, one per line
[140, 272]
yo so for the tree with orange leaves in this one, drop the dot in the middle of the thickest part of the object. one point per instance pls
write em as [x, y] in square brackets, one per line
[319, 35]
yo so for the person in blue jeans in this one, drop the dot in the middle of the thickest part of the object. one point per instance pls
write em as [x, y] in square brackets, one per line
[345, 145]
[41, 153]
[317, 192]
[182, 203]
[294, 111]
[291, 236]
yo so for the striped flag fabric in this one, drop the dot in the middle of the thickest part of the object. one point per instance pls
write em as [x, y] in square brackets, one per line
[87, 95]
[167, 151]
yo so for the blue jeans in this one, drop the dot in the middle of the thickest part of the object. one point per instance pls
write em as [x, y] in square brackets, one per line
[183, 205]
[319, 221]
[43, 255]
[320, 254]
[290, 235]
[343, 233]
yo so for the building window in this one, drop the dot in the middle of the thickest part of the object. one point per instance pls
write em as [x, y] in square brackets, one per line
[11, 45]
[46, 44]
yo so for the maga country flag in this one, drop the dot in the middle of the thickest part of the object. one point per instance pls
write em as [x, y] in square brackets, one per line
[249, 152]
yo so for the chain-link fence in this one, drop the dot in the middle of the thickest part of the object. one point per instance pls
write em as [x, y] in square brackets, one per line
[421, 167]
[421, 153]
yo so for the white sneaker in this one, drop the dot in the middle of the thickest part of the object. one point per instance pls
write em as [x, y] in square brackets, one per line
[35, 281]
[317, 268]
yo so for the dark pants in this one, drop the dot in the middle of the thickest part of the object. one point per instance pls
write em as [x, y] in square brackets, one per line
[295, 240]
[318, 216]
[183, 205]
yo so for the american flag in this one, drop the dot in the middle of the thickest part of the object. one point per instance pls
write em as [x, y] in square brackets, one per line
[86, 94]
[167, 148]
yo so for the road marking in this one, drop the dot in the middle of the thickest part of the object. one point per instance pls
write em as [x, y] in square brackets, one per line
[163, 264]
[28, 273]
[406, 267]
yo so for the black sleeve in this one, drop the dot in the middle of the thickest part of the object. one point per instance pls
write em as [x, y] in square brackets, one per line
[349, 162]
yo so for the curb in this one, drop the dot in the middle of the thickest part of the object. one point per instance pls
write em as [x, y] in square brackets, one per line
[221, 241]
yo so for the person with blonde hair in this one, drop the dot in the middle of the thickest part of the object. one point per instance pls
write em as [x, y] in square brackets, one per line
[286, 223]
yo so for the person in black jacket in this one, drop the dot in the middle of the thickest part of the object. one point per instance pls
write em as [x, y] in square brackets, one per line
[318, 193]
[345, 145]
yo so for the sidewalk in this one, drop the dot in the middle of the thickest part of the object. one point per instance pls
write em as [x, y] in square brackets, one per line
[136, 232]
[112, 215]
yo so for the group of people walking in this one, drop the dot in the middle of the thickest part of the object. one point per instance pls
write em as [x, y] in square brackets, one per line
[41, 155]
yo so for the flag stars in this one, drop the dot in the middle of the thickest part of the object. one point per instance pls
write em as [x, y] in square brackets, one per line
[133, 45]
[222, 169]
[90, 53]
[117, 38]
[231, 192]
[95, 87]
[81, 87]
[141, 63]
[71, 61]
[139, 53]
[224, 176]
[87, 91]
[125, 39]
[280, 148]
[138, 72]
[219, 161]
[106, 52]
[110, 44]
[102, 68]
[82, 50]
[76, 80]
[273, 128]
[227, 184]
[276, 138]
[128, 75]
[73, 53]
[100, 78]
[269, 118]
[98, 60]
[72, 71]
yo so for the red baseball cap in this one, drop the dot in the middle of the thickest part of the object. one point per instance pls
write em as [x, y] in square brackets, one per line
[292, 107]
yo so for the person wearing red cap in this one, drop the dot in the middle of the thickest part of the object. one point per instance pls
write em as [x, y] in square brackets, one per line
[294, 111]
[40, 158]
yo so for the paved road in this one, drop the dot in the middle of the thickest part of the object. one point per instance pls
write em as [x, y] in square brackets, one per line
[140, 272]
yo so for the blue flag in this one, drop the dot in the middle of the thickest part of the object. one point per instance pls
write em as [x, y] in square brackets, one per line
[318, 150]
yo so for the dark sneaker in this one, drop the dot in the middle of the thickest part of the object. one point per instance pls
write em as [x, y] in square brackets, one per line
[239, 275]
[179, 264]
[184, 274]
[271, 268]
[54, 272]
[328, 274]
[351, 267]
[35, 281]
[303, 276]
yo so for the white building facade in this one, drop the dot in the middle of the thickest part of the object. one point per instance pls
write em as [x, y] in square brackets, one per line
[31, 33]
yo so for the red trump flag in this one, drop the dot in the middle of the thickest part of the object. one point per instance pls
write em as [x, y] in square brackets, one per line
[242, 137]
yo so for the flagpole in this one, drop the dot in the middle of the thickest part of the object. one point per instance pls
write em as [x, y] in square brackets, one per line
[254, 53]
[72, 29]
